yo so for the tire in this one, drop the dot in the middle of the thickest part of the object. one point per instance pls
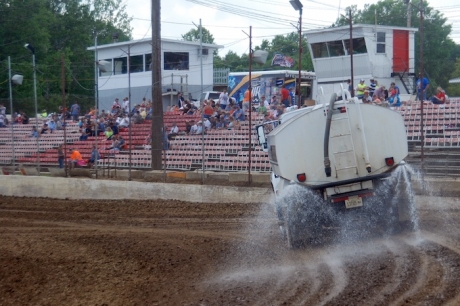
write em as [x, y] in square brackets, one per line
[301, 217]
[398, 210]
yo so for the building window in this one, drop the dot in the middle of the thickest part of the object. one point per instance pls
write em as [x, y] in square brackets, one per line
[335, 48]
[148, 62]
[120, 65]
[319, 50]
[380, 42]
[136, 63]
[106, 70]
[176, 60]
[359, 46]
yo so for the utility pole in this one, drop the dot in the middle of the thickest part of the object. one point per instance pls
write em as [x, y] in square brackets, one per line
[156, 132]
[64, 112]
[422, 125]
[351, 54]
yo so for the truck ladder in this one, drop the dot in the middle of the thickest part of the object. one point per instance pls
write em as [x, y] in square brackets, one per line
[343, 147]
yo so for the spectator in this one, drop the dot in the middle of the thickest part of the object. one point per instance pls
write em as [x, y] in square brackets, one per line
[262, 108]
[238, 114]
[75, 111]
[75, 157]
[207, 124]
[285, 96]
[193, 128]
[52, 125]
[366, 97]
[422, 86]
[2, 120]
[440, 97]
[393, 97]
[108, 133]
[247, 100]
[180, 100]
[208, 111]
[126, 105]
[349, 85]
[117, 143]
[165, 139]
[124, 122]
[34, 132]
[95, 156]
[220, 124]
[379, 95]
[137, 118]
[360, 88]
[199, 128]
[44, 129]
[2, 110]
[83, 136]
[24, 118]
[174, 131]
[223, 99]
[61, 156]
[372, 87]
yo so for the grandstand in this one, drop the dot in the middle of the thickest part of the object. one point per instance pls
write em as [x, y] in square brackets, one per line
[228, 150]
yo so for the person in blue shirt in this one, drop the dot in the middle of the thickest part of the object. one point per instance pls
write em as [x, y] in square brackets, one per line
[94, 156]
[238, 114]
[422, 87]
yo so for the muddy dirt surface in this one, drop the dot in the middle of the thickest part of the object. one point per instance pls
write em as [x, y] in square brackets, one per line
[66, 252]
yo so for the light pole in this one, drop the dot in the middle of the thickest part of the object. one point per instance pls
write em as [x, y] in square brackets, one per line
[31, 49]
[16, 79]
[298, 7]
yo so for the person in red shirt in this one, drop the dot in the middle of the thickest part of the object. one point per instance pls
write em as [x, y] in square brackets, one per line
[440, 97]
[208, 111]
[285, 96]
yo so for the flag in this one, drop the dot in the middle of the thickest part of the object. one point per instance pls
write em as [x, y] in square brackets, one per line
[282, 60]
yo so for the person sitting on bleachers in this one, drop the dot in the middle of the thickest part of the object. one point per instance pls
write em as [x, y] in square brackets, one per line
[207, 124]
[238, 114]
[108, 133]
[379, 95]
[440, 97]
[220, 124]
[34, 132]
[366, 97]
[123, 122]
[52, 125]
[117, 143]
[44, 129]
[213, 121]
[83, 136]
[137, 118]
[194, 128]
[174, 131]
[393, 97]
[24, 118]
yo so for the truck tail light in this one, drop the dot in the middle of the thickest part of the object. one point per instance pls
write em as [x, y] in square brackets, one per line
[389, 161]
[301, 177]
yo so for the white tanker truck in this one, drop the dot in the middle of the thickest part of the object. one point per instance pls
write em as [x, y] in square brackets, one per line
[336, 165]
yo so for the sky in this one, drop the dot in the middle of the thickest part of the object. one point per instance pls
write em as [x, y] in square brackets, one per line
[229, 20]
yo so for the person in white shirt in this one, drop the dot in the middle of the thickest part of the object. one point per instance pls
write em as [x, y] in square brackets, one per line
[223, 99]
[193, 129]
[124, 122]
[126, 105]
[207, 124]
[174, 131]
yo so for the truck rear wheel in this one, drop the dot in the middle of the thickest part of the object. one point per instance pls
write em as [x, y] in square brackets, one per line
[301, 216]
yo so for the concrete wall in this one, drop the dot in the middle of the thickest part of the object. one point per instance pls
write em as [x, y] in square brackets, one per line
[61, 188]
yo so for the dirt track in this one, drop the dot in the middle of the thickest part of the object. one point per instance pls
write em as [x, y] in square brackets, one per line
[62, 252]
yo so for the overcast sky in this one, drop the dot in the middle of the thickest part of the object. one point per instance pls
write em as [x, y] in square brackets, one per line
[227, 19]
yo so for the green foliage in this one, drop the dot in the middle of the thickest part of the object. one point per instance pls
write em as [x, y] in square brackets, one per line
[56, 28]
[438, 48]
[283, 44]
[194, 35]
[453, 90]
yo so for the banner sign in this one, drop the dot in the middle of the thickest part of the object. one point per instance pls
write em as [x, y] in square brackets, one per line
[282, 60]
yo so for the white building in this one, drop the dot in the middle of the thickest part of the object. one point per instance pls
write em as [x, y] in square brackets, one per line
[180, 70]
[384, 53]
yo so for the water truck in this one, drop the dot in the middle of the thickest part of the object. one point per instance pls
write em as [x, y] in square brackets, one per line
[338, 164]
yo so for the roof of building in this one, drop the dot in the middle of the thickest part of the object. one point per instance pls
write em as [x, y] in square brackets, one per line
[148, 40]
[357, 26]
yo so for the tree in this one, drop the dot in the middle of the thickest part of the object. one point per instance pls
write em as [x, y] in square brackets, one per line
[438, 47]
[56, 28]
[453, 90]
[194, 35]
